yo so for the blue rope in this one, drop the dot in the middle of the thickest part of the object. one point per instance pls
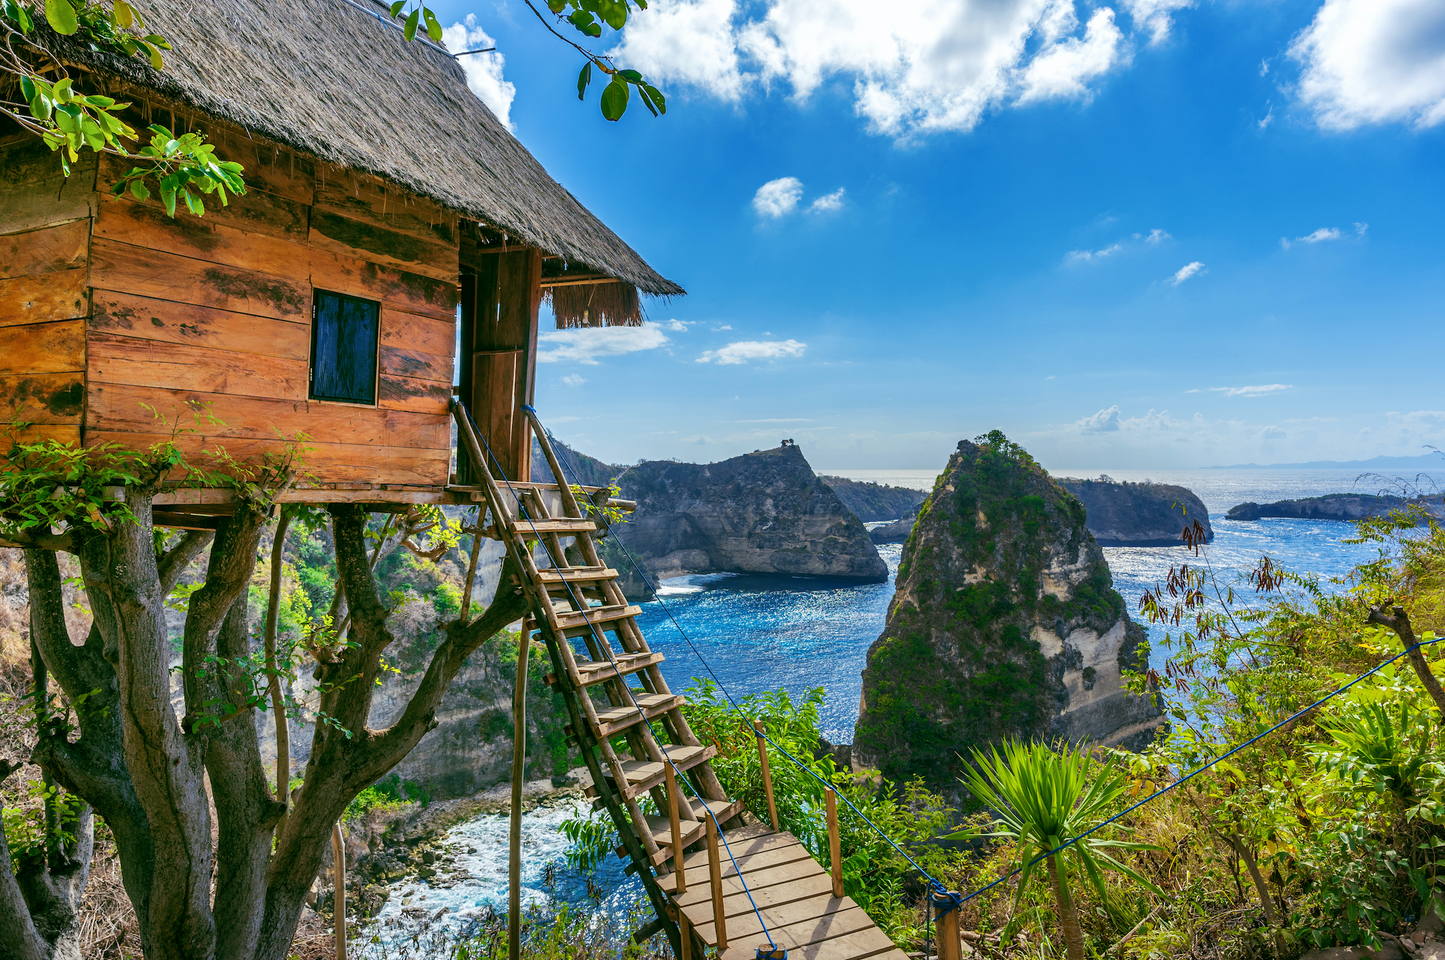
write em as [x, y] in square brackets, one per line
[602, 645]
[954, 900]
[736, 706]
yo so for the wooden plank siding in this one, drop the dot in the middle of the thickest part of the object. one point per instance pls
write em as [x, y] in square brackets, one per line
[44, 297]
[217, 311]
[109, 306]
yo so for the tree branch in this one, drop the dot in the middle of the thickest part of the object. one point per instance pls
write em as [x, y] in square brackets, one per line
[1399, 621]
[174, 561]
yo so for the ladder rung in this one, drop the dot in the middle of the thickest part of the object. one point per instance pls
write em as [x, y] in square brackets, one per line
[692, 830]
[575, 576]
[599, 671]
[643, 775]
[613, 719]
[574, 623]
[526, 528]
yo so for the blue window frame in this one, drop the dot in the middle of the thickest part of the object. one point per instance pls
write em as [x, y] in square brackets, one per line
[344, 342]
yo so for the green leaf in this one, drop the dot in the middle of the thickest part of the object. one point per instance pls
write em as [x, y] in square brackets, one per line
[139, 190]
[168, 197]
[556, 6]
[631, 76]
[656, 96]
[40, 108]
[156, 61]
[584, 79]
[62, 92]
[433, 29]
[409, 31]
[124, 15]
[397, 7]
[27, 89]
[61, 17]
[646, 100]
[614, 100]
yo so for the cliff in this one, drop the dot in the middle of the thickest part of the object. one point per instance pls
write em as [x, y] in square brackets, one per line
[764, 512]
[1005, 623]
[1138, 514]
[581, 469]
[1332, 506]
[895, 532]
[872, 502]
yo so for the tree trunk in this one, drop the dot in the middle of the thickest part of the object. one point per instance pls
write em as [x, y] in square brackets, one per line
[1266, 901]
[1399, 621]
[1068, 915]
[18, 936]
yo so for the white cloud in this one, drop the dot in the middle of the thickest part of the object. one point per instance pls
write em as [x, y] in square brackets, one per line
[678, 326]
[1374, 61]
[778, 198]
[1157, 236]
[1360, 229]
[585, 344]
[1156, 16]
[1105, 421]
[744, 351]
[828, 202]
[1267, 119]
[483, 70]
[725, 326]
[1260, 390]
[1085, 256]
[915, 66]
[1321, 235]
[1185, 272]
[573, 380]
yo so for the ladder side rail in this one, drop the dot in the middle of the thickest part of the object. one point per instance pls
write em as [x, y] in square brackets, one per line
[569, 500]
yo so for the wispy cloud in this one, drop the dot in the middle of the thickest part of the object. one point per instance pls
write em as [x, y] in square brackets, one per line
[1085, 256]
[1259, 390]
[1156, 16]
[828, 202]
[1192, 269]
[1157, 236]
[1267, 119]
[584, 345]
[1322, 235]
[778, 420]
[746, 351]
[574, 380]
[778, 198]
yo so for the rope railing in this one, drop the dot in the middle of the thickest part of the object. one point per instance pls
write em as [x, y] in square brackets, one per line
[604, 647]
[941, 900]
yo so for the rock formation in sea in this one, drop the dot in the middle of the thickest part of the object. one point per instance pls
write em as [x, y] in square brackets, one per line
[1332, 506]
[1138, 514]
[1005, 623]
[895, 532]
[872, 502]
[763, 512]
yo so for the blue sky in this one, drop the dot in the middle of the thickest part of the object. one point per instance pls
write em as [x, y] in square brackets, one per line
[1131, 233]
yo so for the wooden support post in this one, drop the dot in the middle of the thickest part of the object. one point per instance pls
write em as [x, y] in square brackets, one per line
[948, 940]
[714, 864]
[830, 796]
[678, 867]
[684, 929]
[767, 776]
[519, 775]
[338, 887]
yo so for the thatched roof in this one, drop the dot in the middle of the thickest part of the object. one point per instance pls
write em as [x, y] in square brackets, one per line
[329, 78]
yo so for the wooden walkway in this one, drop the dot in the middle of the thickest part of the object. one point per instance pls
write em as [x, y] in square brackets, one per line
[637, 744]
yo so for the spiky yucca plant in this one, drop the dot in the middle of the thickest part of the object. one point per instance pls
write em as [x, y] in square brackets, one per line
[1044, 797]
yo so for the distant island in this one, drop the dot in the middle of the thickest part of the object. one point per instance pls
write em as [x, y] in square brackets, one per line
[1333, 506]
[1424, 462]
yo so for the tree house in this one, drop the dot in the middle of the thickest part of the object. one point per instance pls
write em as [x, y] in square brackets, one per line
[392, 251]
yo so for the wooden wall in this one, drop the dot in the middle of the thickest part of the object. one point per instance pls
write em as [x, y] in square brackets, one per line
[218, 310]
[44, 296]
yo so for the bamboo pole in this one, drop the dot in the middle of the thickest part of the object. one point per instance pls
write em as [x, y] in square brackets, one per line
[948, 940]
[767, 776]
[338, 885]
[519, 775]
[675, 815]
[830, 796]
[714, 863]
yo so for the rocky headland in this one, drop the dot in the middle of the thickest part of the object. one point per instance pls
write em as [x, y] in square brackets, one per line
[1138, 514]
[872, 502]
[1005, 623]
[1331, 506]
[763, 512]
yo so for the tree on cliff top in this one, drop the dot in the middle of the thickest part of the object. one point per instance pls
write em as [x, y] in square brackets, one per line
[113, 743]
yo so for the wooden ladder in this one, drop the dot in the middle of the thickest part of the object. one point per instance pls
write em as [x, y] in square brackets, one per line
[635, 741]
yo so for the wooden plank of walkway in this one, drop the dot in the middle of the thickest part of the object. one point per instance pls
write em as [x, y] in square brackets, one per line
[791, 891]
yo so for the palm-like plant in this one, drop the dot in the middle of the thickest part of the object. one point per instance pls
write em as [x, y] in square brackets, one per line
[1043, 798]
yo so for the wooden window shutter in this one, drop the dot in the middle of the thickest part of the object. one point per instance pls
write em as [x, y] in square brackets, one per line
[344, 335]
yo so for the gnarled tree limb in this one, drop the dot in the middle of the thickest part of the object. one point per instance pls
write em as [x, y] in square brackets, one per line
[1399, 621]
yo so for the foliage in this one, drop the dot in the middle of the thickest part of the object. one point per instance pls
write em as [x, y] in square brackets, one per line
[389, 793]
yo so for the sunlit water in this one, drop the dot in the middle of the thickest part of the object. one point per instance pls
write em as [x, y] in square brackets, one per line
[760, 633]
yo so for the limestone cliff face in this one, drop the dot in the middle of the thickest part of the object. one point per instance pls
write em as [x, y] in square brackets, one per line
[763, 512]
[1005, 623]
[1138, 514]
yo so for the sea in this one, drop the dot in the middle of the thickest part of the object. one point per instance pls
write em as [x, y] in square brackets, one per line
[752, 633]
